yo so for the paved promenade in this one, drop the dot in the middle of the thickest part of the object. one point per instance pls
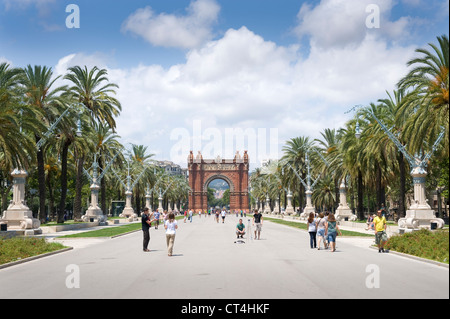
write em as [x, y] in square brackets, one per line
[208, 264]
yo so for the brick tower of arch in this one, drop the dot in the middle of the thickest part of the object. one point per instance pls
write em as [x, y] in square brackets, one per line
[233, 171]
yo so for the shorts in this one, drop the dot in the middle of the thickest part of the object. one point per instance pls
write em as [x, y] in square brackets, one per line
[380, 236]
[258, 227]
[321, 232]
[331, 237]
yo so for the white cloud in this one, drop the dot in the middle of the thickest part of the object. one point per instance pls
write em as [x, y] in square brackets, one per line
[168, 30]
[342, 23]
[243, 81]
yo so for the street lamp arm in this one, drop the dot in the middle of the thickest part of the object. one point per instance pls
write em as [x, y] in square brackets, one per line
[394, 139]
[120, 180]
[301, 180]
[52, 128]
[434, 148]
[321, 156]
[108, 166]
[167, 188]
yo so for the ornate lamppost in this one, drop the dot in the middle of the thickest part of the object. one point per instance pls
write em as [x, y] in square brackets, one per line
[419, 215]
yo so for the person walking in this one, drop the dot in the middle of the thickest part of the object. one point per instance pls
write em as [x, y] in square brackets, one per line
[171, 226]
[224, 214]
[331, 231]
[380, 230]
[321, 226]
[157, 215]
[257, 222]
[312, 230]
[146, 220]
[191, 214]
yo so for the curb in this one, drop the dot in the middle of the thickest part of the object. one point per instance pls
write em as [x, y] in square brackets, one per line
[437, 263]
[17, 262]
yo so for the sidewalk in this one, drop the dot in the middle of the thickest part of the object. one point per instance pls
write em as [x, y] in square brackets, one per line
[79, 242]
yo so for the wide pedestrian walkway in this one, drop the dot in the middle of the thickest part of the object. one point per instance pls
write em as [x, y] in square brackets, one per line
[208, 263]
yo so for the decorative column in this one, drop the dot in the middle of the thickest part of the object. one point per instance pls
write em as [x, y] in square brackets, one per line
[276, 208]
[148, 202]
[309, 208]
[343, 211]
[267, 205]
[160, 206]
[419, 214]
[289, 207]
[128, 211]
[18, 216]
[94, 212]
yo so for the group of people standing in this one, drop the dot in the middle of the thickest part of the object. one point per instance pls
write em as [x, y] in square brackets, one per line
[324, 226]
[170, 225]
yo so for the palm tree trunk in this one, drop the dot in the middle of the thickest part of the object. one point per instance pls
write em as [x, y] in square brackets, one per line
[102, 188]
[379, 187]
[41, 184]
[62, 203]
[360, 196]
[78, 188]
[401, 203]
[51, 195]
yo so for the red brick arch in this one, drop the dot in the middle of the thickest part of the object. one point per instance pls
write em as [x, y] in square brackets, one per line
[233, 171]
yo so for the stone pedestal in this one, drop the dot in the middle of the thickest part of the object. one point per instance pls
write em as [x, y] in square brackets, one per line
[18, 216]
[148, 203]
[276, 208]
[289, 207]
[160, 207]
[309, 208]
[343, 211]
[128, 211]
[267, 206]
[419, 215]
[94, 212]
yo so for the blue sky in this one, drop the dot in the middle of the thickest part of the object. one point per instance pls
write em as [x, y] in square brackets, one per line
[288, 65]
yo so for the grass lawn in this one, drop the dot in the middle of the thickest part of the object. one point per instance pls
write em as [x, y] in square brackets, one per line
[108, 231]
[17, 248]
[305, 227]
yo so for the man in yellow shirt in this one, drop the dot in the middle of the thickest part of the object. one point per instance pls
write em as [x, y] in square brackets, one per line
[380, 231]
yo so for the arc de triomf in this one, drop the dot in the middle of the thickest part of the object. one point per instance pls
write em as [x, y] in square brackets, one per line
[204, 171]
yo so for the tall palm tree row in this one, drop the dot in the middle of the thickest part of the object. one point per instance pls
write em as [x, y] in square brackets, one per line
[370, 163]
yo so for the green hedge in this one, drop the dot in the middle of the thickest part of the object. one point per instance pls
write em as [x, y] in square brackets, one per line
[424, 243]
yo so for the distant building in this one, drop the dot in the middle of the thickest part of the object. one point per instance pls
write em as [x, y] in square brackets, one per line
[173, 169]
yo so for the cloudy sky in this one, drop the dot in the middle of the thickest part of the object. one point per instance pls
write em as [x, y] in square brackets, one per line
[226, 75]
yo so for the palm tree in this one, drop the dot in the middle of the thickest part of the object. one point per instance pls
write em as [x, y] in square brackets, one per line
[294, 153]
[354, 159]
[38, 89]
[12, 151]
[428, 99]
[140, 160]
[92, 89]
[324, 194]
[106, 144]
